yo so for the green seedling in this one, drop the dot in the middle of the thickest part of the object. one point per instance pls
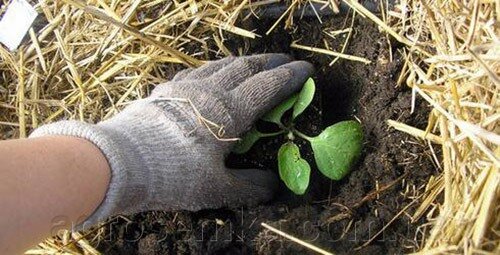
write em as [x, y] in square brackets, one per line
[336, 149]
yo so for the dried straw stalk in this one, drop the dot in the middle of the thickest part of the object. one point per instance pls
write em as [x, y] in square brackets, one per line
[460, 81]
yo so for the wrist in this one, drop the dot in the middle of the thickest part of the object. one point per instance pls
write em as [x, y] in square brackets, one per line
[120, 159]
[145, 146]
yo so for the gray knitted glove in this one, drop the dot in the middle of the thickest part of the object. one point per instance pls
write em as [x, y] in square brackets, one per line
[162, 157]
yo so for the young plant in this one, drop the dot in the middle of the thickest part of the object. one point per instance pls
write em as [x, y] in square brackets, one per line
[336, 149]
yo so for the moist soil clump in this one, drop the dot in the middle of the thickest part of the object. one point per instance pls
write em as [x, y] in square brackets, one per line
[339, 216]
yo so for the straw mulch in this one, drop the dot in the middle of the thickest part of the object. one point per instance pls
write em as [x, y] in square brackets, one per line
[452, 61]
[90, 59]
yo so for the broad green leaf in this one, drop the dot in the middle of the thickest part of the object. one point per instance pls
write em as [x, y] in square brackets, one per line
[275, 114]
[247, 141]
[294, 171]
[337, 148]
[305, 97]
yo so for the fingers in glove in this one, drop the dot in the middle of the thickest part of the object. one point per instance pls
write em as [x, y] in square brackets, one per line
[182, 74]
[263, 91]
[208, 69]
[243, 68]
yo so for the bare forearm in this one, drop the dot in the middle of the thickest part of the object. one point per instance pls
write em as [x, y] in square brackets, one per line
[47, 184]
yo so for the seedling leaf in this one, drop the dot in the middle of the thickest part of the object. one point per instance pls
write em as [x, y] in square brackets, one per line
[294, 171]
[276, 114]
[247, 141]
[337, 148]
[305, 97]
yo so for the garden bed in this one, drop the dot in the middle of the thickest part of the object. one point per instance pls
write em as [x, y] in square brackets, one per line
[332, 214]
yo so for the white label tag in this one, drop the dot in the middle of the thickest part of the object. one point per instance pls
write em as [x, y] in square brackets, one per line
[15, 23]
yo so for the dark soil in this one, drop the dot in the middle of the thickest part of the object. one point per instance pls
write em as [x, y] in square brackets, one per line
[331, 214]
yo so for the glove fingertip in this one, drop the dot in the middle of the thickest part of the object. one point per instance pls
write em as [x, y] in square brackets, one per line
[301, 71]
[297, 74]
[274, 60]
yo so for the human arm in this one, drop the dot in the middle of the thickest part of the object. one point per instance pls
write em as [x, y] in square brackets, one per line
[161, 155]
[47, 184]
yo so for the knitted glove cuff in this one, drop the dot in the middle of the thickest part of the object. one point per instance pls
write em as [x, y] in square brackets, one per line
[122, 157]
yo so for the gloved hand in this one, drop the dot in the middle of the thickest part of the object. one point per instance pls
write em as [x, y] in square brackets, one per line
[162, 157]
